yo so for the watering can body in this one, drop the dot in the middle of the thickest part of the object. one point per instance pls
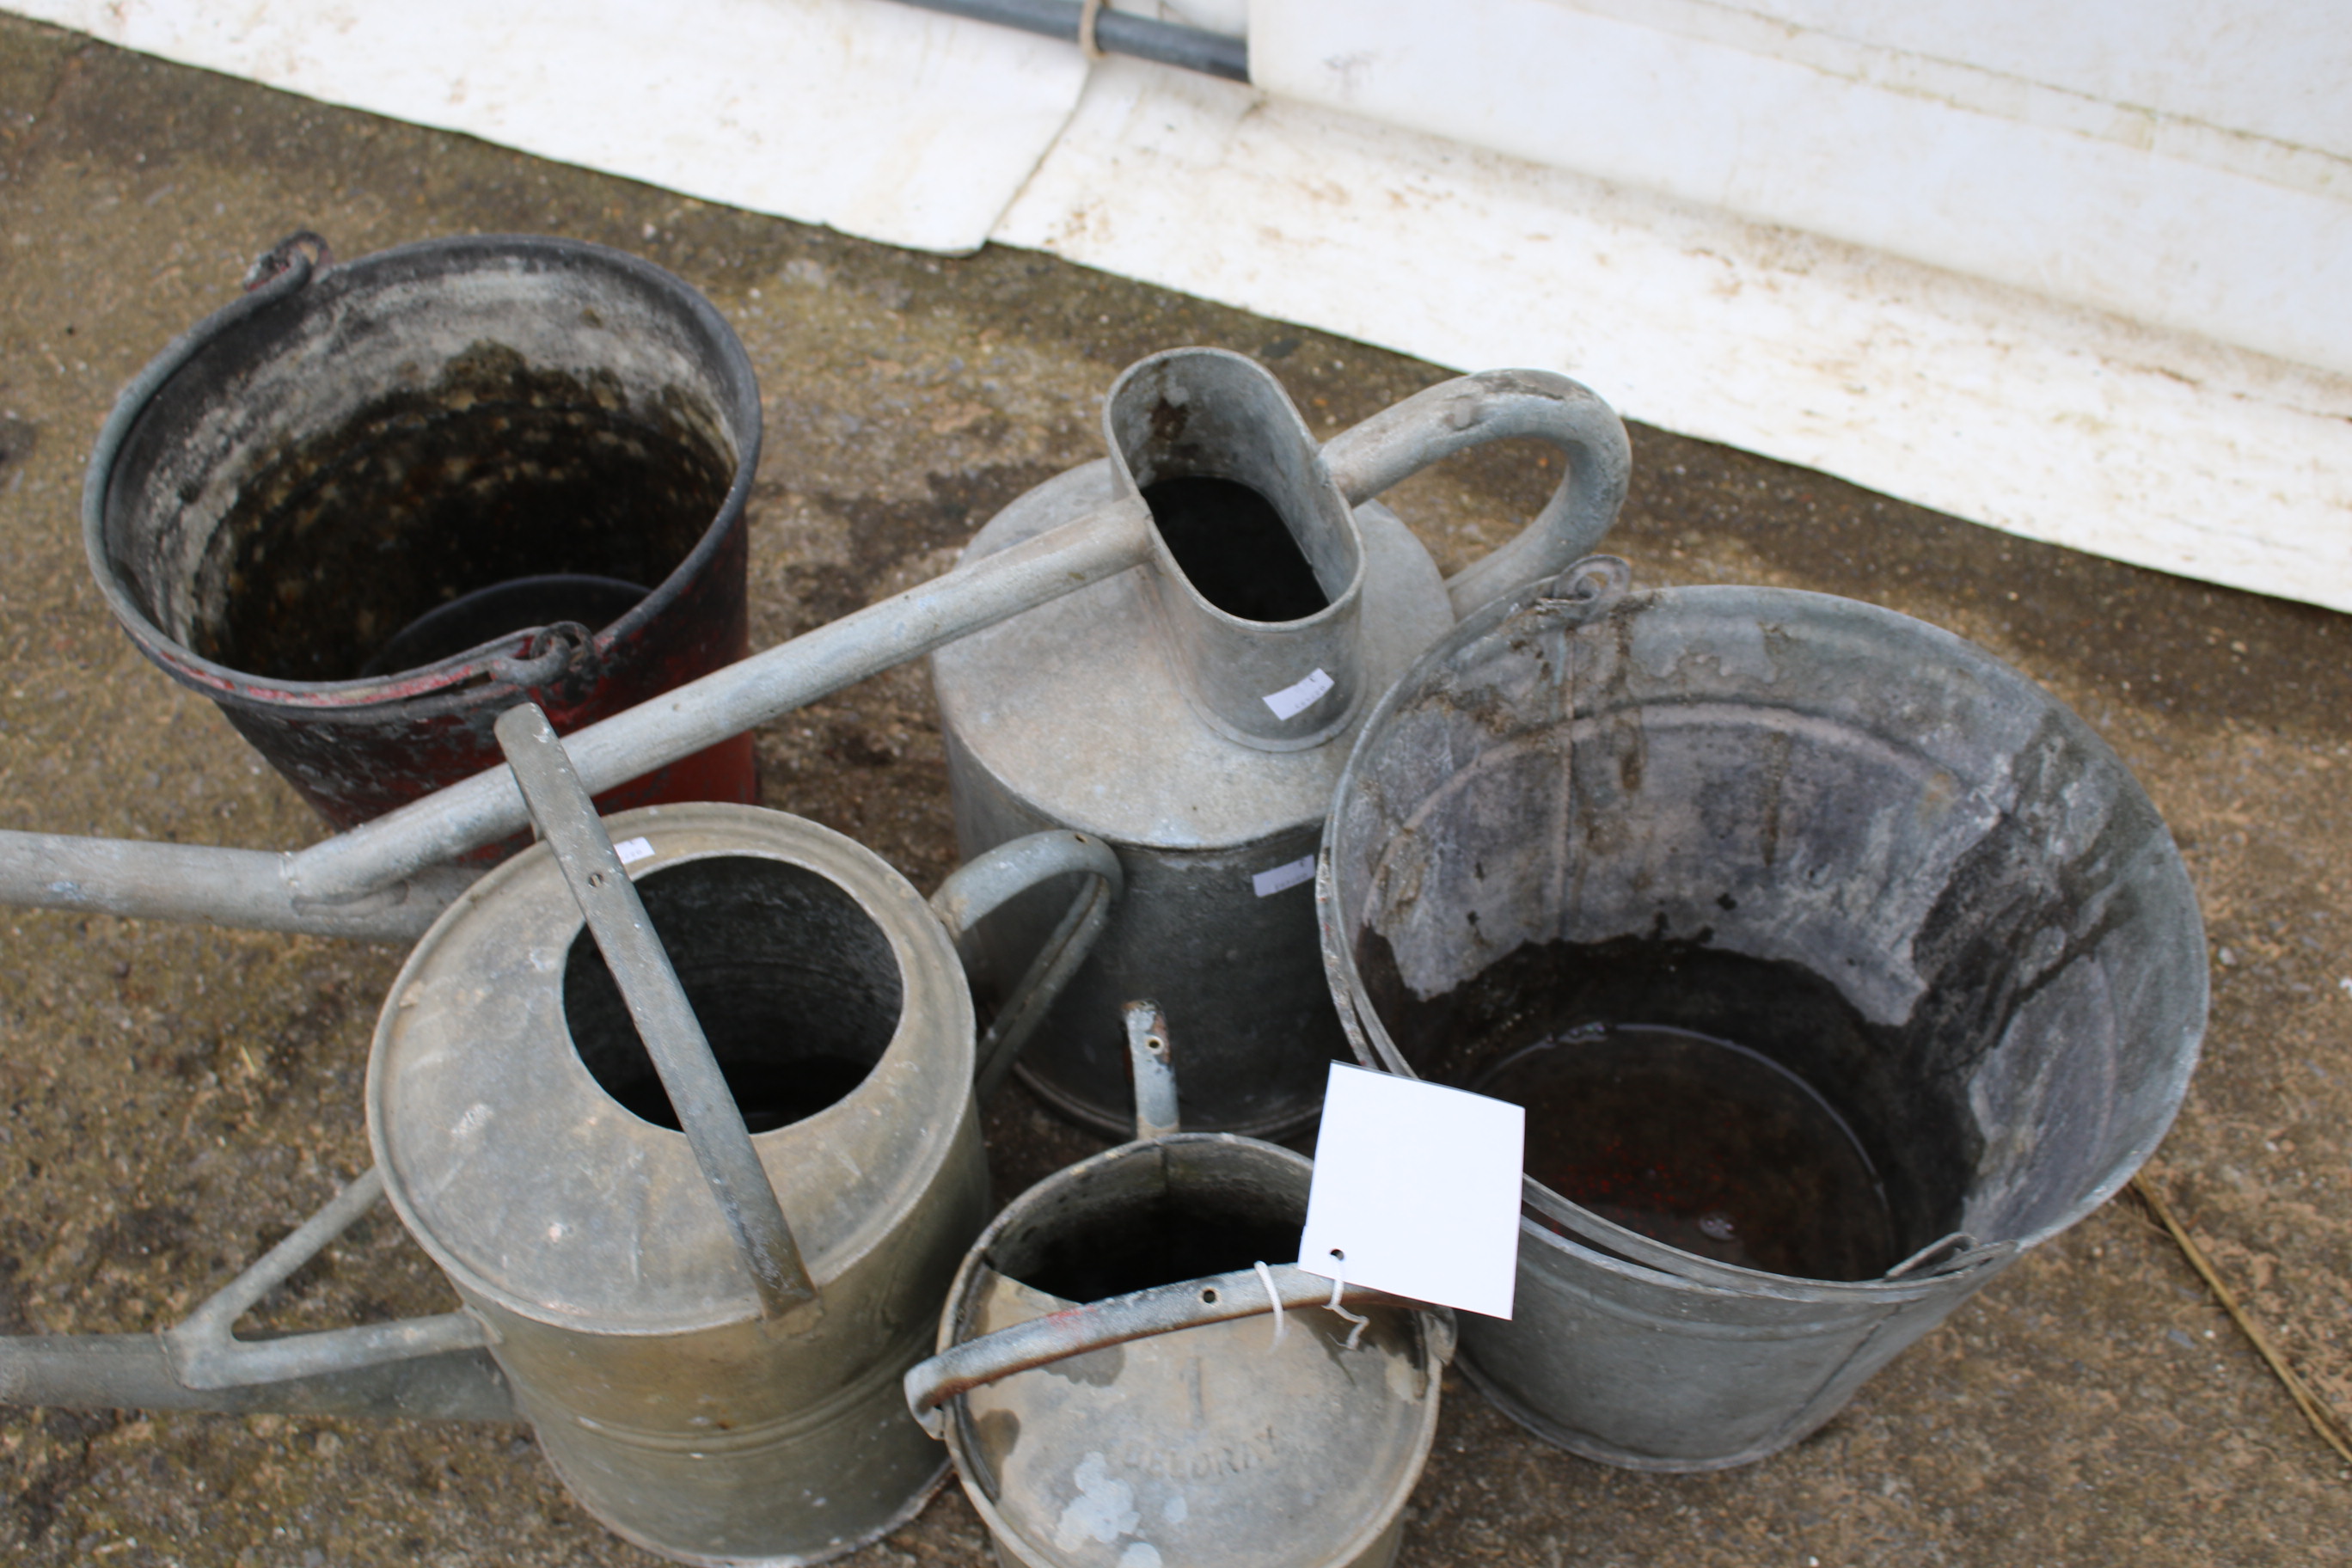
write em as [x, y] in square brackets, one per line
[1154, 710]
[508, 1104]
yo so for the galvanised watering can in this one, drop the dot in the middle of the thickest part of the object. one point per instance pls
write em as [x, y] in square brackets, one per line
[703, 1190]
[1194, 710]
[1107, 1410]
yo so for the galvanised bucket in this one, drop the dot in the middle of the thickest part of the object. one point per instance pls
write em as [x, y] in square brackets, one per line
[526, 1138]
[370, 506]
[1600, 838]
[1107, 1411]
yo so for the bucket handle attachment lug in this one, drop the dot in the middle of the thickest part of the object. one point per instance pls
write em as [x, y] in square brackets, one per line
[287, 255]
[673, 1037]
[547, 654]
[1496, 405]
[989, 880]
[1163, 1310]
[1588, 589]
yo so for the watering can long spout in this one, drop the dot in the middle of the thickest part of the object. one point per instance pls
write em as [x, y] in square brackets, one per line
[384, 878]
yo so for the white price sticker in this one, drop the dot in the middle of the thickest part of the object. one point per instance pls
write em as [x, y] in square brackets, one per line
[1292, 700]
[632, 850]
[1416, 1191]
[1288, 875]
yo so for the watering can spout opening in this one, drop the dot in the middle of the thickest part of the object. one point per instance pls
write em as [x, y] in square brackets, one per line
[1257, 566]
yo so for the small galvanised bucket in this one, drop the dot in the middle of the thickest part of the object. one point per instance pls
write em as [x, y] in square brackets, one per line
[369, 506]
[528, 1138]
[1835, 962]
[1107, 1409]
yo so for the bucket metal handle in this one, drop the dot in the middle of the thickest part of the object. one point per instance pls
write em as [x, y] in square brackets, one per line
[707, 1111]
[1496, 405]
[989, 880]
[1955, 1254]
[1163, 1310]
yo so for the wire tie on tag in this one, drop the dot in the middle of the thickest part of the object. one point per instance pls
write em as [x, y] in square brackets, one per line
[1339, 1283]
[1266, 1278]
[1089, 14]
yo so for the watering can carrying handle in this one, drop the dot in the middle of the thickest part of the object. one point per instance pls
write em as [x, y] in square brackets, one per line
[698, 1091]
[1496, 405]
[1163, 1310]
[989, 880]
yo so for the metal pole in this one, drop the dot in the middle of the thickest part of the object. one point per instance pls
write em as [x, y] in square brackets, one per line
[1116, 32]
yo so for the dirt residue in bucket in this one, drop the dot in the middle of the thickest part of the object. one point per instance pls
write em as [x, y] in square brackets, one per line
[495, 472]
[1734, 1107]
[1702, 1144]
[1134, 1244]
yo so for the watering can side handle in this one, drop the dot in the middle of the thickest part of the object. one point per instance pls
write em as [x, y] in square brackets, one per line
[993, 878]
[1163, 1310]
[1496, 405]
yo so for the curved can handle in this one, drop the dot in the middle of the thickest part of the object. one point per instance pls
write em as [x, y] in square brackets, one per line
[1496, 406]
[996, 876]
[1163, 1310]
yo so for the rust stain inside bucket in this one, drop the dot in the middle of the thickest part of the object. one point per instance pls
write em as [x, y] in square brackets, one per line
[354, 543]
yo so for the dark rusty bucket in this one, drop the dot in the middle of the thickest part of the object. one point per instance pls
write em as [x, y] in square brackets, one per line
[368, 507]
[1836, 964]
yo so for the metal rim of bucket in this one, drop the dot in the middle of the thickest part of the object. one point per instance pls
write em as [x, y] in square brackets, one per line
[433, 688]
[1008, 1540]
[928, 966]
[1590, 582]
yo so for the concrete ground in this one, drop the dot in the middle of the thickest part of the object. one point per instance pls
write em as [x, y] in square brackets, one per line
[173, 1098]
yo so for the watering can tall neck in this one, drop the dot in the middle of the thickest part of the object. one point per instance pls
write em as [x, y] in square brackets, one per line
[1206, 415]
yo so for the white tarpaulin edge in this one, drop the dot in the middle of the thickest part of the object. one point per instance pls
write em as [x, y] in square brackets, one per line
[2053, 421]
[883, 120]
[2050, 421]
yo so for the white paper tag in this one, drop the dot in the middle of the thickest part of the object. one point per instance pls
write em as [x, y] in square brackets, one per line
[1416, 1191]
[1292, 700]
[632, 850]
[1288, 875]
